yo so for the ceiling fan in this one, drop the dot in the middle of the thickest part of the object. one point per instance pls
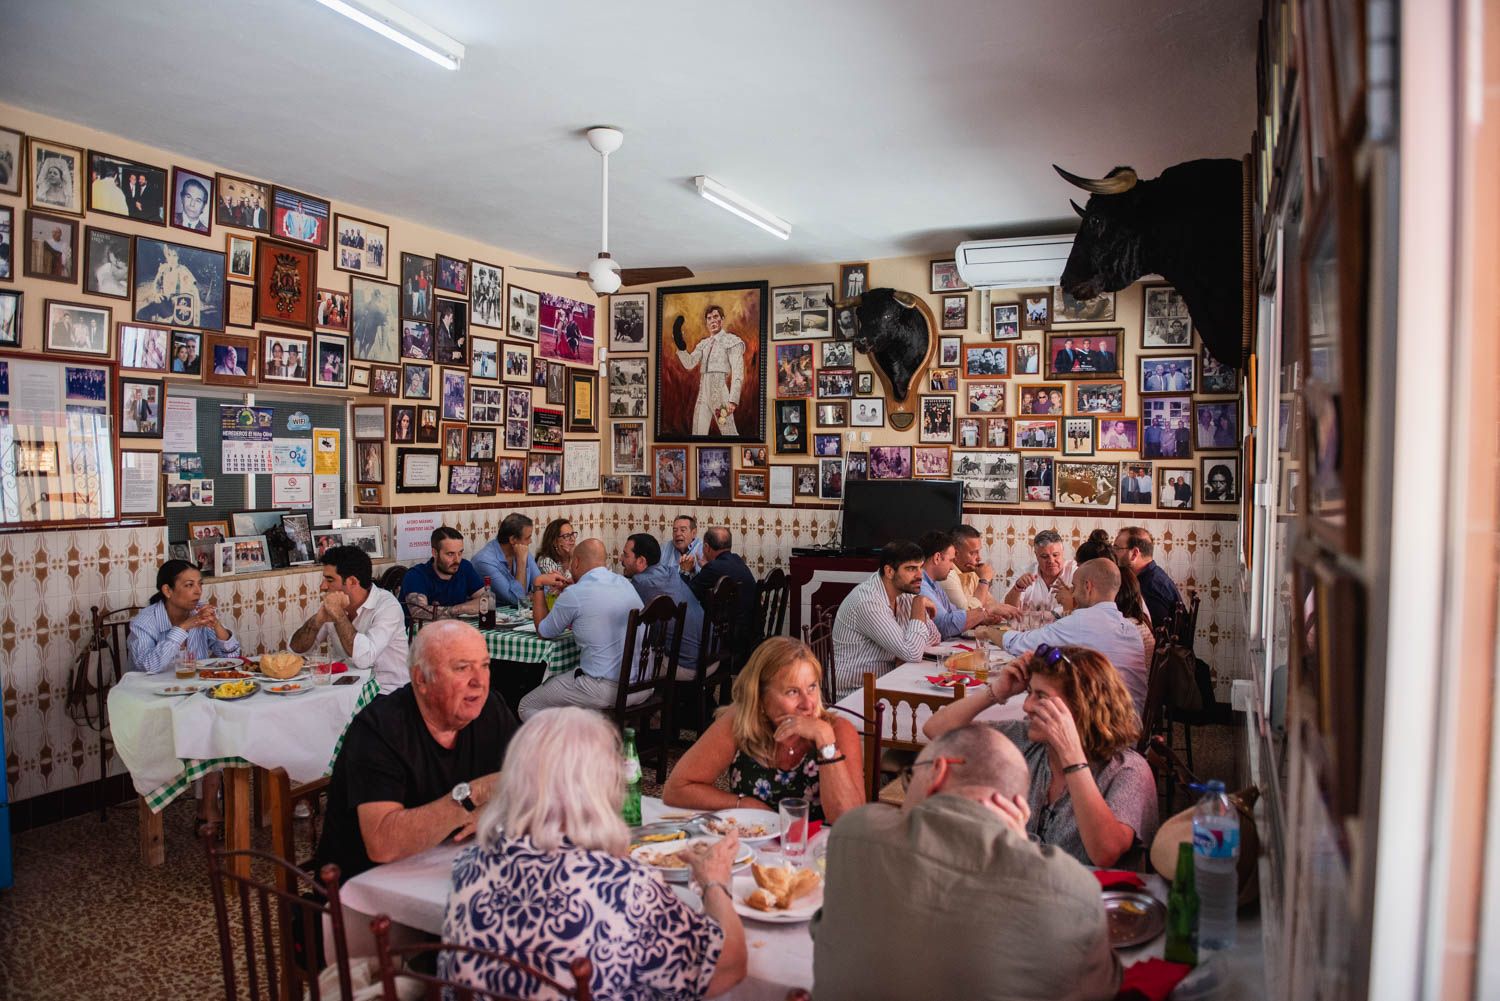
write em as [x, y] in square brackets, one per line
[604, 274]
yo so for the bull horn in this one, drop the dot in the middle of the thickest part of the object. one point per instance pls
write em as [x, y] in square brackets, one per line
[906, 299]
[1081, 213]
[1116, 182]
[843, 303]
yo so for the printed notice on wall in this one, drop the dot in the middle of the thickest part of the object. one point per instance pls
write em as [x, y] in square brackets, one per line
[326, 452]
[291, 490]
[325, 500]
[414, 535]
[180, 424]
[291, 455]
[247, 436]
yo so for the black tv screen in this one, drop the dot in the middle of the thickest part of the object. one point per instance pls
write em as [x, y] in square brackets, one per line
[877, 511]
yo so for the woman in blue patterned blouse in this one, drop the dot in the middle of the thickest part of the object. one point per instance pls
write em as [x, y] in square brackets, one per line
[549, 879]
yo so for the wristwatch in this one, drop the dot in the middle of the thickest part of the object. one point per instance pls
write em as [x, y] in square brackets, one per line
[828, 752]
[461, 796]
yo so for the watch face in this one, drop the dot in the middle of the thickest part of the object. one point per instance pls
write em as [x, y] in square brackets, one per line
[461, 791]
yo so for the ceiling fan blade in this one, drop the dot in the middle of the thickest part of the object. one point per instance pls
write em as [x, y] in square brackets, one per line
[556, 274]
[650, 276]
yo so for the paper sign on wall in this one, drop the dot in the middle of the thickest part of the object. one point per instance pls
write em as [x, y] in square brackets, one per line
[326, 452]
[414, 535]
[325, 500]
[180, 424]
[246, 436]
[291, 490]
[291, 455]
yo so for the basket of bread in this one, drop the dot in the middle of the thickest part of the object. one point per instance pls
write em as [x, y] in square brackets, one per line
[282, 665]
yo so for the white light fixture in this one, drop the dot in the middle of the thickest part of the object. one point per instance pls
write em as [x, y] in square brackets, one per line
[742, 207]
[387, 19]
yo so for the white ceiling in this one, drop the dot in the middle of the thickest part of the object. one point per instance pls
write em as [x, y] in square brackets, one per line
[878, 128]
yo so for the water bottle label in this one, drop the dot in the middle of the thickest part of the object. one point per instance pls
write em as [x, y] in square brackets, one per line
[1216, 842]
[632, 770]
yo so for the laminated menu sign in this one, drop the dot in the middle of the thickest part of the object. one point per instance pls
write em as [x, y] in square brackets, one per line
[246, 435]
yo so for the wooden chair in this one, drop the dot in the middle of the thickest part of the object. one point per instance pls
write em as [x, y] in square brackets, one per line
[877, 741]
[100, 665]
[1185, 621]
[391, 579]
[281, 930]
[653, 639]
[391, 968]
[819, 638]
[715, 657]
[773, 590]
[871, 735]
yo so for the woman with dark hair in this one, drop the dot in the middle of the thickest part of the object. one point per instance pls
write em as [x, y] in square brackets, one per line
[556, 552]
[1095, 546]
[178, 619]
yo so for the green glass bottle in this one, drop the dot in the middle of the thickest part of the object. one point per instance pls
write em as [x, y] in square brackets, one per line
[1182, 910]
[632, 808]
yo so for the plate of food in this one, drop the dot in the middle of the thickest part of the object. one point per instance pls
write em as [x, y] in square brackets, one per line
[289, 688]
[778, 894]
[656, 834]
[754, 826]
[233, 691]
[221, 664]
[177, 691]
[282, 665]
[1135, 917]
[666, 856]
[222, 674]
[948, 681]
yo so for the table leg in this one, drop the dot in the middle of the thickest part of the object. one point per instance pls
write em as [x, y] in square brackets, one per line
[153, 845]
[237, 815]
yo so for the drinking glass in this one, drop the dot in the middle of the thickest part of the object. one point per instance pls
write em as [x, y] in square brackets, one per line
[322, 667]
[794, 830]
[982, 665]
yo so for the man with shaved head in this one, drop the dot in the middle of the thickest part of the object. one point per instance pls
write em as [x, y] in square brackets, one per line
[597, 608]
[1095, 623]
[957, 854]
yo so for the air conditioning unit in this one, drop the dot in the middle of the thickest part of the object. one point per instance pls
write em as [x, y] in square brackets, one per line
[1020, 262]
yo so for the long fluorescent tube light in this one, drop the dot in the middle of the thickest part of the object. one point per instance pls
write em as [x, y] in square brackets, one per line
[387, 19]
[742, 207]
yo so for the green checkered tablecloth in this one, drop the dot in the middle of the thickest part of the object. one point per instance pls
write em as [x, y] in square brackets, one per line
[194, 769]
[559, 655]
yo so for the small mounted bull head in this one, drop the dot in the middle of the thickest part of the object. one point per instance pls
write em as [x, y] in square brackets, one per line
[895, 330]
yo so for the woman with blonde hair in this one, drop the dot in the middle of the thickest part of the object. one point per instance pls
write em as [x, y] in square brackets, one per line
[549, 879]
[1091, 794]
[775, 741]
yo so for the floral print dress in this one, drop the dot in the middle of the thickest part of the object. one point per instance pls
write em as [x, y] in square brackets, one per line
[748, 777]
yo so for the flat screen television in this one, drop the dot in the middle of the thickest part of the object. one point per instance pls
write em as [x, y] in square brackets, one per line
[877, 511]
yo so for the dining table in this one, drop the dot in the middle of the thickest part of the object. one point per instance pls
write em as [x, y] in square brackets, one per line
[911, 678]
[517, 640]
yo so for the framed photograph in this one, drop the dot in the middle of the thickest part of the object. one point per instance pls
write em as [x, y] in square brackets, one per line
[12, 161]
[284, 358]
[369, 422]
[987, 361]
[142, 347]
[484, 359]
[177, 285]
[1165, 322]
[931, 462]
[627, 447]
[546, 429]
[375, 320]
[791, 427]
[1026, 358]
[557, 377]
[1078, 436]
[233, 360]
[1216, 425]
[827, 445]
[140, 407]
[247, 554]
[867, 413]
[937, 420]
[417, 282]
[970, 432]
[1221, 479]
[454, 440]
[452, 275]
[8, 241]
[489, 479]
[51, 249]
[487, 295]
[1041, 398]
[239, 305]
[463, 479]
[751, 485]
[1120, 434]
[242, 203]
[984, 397]
[1005, 321]
[192, 201]
[835, 354]
[359, 376]
[567, 329]
[1165, 426]
[514, 363]
[854, 280]
[369, 462]
[120, 187]
[427, 425]
[801, 311]
[864, 383]
[1036, 478]
[627, 322]
[1168, 374]
[955, 312]
[361, 246]
[239, 254]
[988, 477]
[56, 176]
[711, 339]
[583, 401]
[669, 470]
[450, 334]
[950, 351]
[403, 424]
[106, 263]
[418, 471]
[1038, 434]
[76, 329]
[299, 218]
[186, 353]
[612, 486]
[481, 444]
[1094, 485]
[511, 473]
[1036, 311]
[794, 369]
[385, 380]
[1083, 354]
[944, 277]
[942, 380]
[1215, 378]
[525, 308]
[416, 340]
[805, 480]
[1136, 483]
[1066, 309]
[1096, 398]
[628, 386]
[455, 384]
[1174, 488]
[835, 384]
[754, 457]
[714, 472]
[330, 361]
[332, 310]
[217, 529]
[890, 462]
[997, 432]
[833, 415]
[831, 479]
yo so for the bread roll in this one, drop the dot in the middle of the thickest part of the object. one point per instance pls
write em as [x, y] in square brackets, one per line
[281, 665]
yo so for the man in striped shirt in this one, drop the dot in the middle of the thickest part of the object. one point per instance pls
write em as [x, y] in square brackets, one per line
[885, 621]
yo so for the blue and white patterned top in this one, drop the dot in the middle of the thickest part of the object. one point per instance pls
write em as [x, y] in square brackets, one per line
[548, 908]
[154, 641]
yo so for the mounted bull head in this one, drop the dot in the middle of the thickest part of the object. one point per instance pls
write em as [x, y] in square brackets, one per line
[1185, 225]
[895, 330]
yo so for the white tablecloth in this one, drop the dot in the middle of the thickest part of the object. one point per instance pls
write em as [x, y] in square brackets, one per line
[912, 678]
[159, 737]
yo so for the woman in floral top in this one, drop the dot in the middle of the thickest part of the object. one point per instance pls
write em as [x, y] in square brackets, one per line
[776, 741]
[556, 552]
[548, 880]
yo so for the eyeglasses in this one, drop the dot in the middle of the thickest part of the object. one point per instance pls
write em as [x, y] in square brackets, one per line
[567, 535]
[906, 773]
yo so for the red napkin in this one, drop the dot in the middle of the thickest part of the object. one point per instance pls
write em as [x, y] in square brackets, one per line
[964, 647]
[1151, 980]
[949, 680]
[337, 667]
[1115, 879]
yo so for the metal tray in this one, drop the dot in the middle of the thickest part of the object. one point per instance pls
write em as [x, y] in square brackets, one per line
[1135, 917]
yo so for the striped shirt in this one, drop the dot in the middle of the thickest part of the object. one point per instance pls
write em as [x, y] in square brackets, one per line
[154, 641]
[868, 638]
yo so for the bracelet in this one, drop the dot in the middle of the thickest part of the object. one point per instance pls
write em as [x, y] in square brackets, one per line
[721, 885]
[831, 761]
[1075, 768]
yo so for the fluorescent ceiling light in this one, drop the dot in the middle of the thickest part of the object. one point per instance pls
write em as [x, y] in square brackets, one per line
[400, 27]
[742, 207]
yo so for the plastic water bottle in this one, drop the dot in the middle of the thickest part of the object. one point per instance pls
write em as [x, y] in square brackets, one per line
[1216, 853]
[631, 811]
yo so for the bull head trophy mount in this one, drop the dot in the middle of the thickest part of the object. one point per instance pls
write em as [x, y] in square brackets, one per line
[1186, 225]
[895, 330]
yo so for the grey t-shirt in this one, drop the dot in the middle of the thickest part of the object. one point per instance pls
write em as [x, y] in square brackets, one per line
[1125, 781]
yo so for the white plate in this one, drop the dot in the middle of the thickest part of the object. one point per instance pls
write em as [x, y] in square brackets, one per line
[222, 664]
[749, 818]
[745, 857]
[302, 687]
[802, 909]
[177, 691]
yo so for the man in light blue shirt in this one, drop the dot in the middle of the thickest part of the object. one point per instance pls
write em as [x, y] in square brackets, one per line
[503, 558]
[1095, 623]
[937, 564]
[683, 543]
[641, 562]
[597, 607]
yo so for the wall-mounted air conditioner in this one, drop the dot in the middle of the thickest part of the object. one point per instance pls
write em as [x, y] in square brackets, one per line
[1019, 262]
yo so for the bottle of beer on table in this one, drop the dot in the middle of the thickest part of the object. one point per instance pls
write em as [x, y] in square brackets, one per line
[487, 607]
[632, 808]
[1182, 910]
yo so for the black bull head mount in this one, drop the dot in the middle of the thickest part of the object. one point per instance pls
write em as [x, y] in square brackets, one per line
[1186, 225]
[895, 330]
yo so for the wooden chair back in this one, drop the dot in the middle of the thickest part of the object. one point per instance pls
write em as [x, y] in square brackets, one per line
[819, 638]
[391, 579]
[280, 930]
[773, 591]
[870, 734]
[715, 646]
[102, 662]
[393, 968]
[653, 639]
[1156, 687]
[881, 736]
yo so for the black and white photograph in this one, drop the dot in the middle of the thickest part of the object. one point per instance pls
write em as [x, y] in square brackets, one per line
[361, 246]
[986, 362]
[525, 308]
[627, 322]
[516, 361]
[416, 287]
[854, 280]
[714, 472]
[936, 422]
[484, 360]
[1036, 311]
[7, 243]
[12, 146]
[1036, 433]
[486, 405]
[1084, 353]
[56, 176]
[628, 387]
[833, 415]
[1099, 398]
[1216, 378]
[1136, 483]
[1066, 309]
[140, 408]
[988, 477]
[864, 383]
[487, 295]
[801, 311]
[51, 248]
[242, 203]
[1026, 358]
[1168, 374]
[867, 413]
[1221, 479]
[1005, 321]
[1094, 485]
[106, 263]
[836, 354]
[557, 378]
[1166, 427]
[835, 384]
[1165, 322]
[73, 328]
[1078, 436]
[192, 201]
[376, 320]
[177, 285]
[1216, 425]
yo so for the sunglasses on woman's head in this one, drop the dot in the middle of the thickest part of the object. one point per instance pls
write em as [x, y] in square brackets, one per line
[1051, 655]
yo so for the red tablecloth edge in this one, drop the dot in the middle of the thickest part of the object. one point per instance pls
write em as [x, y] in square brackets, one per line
[1151, 980]
[1111, 879]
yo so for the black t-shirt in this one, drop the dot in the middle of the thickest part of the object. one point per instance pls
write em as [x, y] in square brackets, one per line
[389, 756]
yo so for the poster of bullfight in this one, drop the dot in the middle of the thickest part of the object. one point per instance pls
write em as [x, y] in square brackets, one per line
[567, 330]
[711, 363]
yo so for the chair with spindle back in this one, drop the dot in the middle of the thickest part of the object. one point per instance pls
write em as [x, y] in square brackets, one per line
[772, 591]
[100, 665]
[877, 739]
[819, 638]
[653, 640]
[715, 658]
[393, 969]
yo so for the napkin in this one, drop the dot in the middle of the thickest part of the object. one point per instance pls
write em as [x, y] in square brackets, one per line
[1151, 980]
[948, 681]
[337, 667]
[1117, 879]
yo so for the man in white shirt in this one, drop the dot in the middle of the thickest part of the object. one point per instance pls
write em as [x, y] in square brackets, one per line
[364, 624]
[721, 356]
[1033, 591]
[886, 621]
